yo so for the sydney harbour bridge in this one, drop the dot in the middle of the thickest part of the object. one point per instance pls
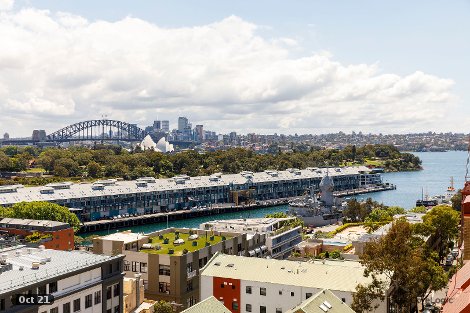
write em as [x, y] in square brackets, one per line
[92, 131]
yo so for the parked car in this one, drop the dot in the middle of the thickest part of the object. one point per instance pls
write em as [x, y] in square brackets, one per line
[449, 260]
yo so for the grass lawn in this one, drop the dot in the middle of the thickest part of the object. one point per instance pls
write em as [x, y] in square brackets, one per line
[377, 163]
[178, 249]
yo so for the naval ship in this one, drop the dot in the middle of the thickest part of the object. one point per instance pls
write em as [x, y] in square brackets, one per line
[318, 212]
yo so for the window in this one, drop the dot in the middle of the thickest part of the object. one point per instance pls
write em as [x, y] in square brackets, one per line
[117, 309]
[88, 301]
[248, 307]
[117, 290]
[235, 306]
[233, 286]
[66, 307]
[248, 289]
[76, 305]
[54, 310]
[291, 293]
[280, 292]
[108, 311]
[127, 265]
[262, 309]
[222, 285]
[343, 299]
[108, 292]
[110, 268]
[308, 295]
[143, 267]
[262, 291]
[42, 290]
[189, 268]
[135, 266]
[53, 287]
[189, 286]
[2, 304]
[164, 270]
[164, 288]
[98, 297]
[278, 310]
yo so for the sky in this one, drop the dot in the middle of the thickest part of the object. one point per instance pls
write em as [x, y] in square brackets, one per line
[246, 66]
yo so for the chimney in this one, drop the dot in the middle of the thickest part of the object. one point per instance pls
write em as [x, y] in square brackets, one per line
[137, 289]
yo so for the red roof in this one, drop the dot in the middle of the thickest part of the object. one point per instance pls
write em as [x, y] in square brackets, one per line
[458, 294]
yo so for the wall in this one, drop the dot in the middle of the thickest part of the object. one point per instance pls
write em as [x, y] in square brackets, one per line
[228, 291]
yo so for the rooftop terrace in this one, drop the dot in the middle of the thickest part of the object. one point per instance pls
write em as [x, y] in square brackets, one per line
[177, 243]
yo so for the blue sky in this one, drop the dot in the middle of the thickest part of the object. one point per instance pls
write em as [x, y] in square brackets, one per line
[397, 38]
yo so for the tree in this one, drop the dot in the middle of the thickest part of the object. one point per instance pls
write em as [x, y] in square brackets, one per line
[163, 307]
[402, 259]
[368, 297]
[94, 170]
[41, 210]
[419, 209]
[443, 223]
[457, 200]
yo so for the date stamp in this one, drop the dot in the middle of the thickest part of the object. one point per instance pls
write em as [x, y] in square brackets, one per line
[33, 299]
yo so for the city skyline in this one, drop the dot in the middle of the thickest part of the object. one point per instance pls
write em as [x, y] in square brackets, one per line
[234, 69]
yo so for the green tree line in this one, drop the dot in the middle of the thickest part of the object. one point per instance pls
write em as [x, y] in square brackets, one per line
[113, 161]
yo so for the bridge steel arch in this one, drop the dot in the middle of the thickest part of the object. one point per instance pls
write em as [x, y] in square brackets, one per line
[84, 131]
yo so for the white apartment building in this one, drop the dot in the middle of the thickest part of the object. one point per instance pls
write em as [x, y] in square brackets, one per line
[79, 281]
[280, 238]
[276, 286]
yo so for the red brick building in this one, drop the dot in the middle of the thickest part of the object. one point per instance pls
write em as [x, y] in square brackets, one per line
[57, 235]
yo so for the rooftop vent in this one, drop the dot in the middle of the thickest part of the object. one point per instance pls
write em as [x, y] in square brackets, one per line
[62, 185]
[230, 265]
[46, 190]
[96, 186]
[327, 304]
[149, 180]
[107, 182]
[35, 265]
[217, 263]
[141, 183]
[8, 189]
[323, 307]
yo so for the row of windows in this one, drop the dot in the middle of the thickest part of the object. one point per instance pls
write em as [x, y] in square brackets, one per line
[113, 291]
[76, 305]
[262, 291]
[138, 267]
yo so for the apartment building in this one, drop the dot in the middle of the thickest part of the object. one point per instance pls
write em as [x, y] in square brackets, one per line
[56, 235]
[79, 281]
[280, 236]
[268, 285]
[169, 260]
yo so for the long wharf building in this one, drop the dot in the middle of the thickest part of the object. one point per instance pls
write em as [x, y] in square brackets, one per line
[108, 198]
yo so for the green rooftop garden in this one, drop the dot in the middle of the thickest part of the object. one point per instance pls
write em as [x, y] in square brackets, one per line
[164, 244]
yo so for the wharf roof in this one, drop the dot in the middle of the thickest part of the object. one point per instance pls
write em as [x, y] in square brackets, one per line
[53, 263]
[332, 275]
[208, 305]
[324, 298]
[25, 223]
[67, 190]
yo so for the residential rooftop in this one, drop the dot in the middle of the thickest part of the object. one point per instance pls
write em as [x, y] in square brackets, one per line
[125, 236]
[189, 242]
[326, 274]
[18, 271]
[323, 302]
[250, 225]
[31, 224]
[208, 305]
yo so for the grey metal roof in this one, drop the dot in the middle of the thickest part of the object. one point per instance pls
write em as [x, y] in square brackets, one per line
[29, 222]
[85, 190]
[325, 298]
[55, 263]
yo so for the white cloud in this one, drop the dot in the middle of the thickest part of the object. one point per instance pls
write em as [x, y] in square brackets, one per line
[6, 5]
[59, 68]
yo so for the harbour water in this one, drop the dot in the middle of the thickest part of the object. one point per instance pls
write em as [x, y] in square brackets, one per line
[434, 179]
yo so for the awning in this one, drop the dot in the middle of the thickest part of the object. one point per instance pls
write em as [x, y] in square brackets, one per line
[251, 253]
[264, 248]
